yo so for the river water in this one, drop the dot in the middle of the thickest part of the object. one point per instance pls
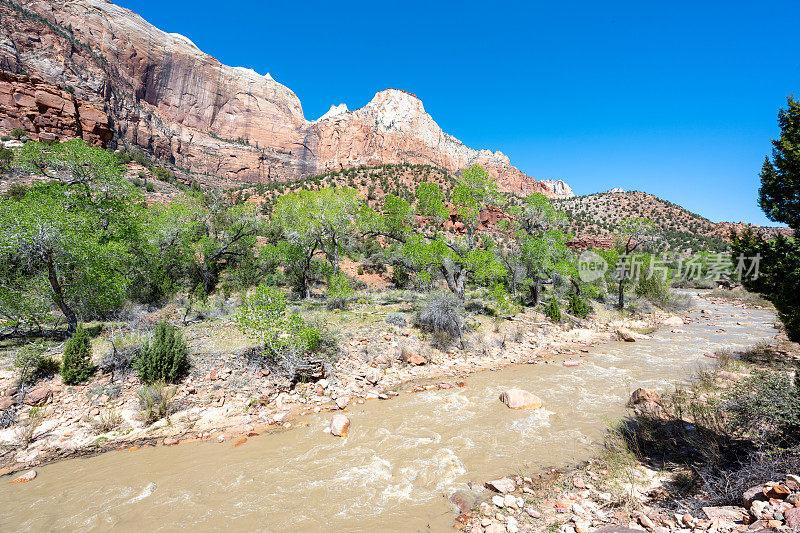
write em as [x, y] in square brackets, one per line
[400, 461]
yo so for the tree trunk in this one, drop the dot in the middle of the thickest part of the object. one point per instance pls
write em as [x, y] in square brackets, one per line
[621, 303]
[536, 290]
[58, 296]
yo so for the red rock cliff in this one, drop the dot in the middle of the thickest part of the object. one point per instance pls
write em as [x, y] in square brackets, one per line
[162, 93]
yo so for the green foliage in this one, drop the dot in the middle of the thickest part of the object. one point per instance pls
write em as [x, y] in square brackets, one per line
[6, 158]
[339, 290]
[314, 222]
[577, 306]
[27, 360]
[400, 276]
[66, 243]
[76, 365]
[779, 195]
[766, 407]
[264, 317]
[18, 133]
[502, 301]
[553, 310]
[155, 402]
[166, 358]
[778, 279]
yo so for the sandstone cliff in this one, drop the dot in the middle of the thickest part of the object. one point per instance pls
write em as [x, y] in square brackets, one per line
[162, 93]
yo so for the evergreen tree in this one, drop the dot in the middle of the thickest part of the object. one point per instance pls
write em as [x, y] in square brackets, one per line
[166, 358]
[778, 278]
[76, 367]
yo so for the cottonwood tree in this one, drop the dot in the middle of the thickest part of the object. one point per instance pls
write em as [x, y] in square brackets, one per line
[536, 249]
[631, 235]
[313, 223]
[67, 242]
[424, 248]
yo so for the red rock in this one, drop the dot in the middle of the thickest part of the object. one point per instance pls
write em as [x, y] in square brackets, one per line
[246, 127]
[413, 359]
[170, 441]
[38, 395]
[26, 477]
[578, 482]
[6, 402]
[792, 517]
[776, 491]
[240, 442]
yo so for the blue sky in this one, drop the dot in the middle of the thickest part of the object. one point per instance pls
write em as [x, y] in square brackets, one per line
[675, 98]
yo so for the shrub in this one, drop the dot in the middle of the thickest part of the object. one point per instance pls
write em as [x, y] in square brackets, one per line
[553, 311]
[578, 306]
[27, 361]
[155, 402]
[6, 157]
[108, 420]
[166, 358]
[27, 431]
[339, 291]
[76, 366]
[18, 133]
[136, 182]
[502, 300]
[396, 319]
[400, 276]
[263, 316]
[766, 407]
[149, 187]
[441, 313]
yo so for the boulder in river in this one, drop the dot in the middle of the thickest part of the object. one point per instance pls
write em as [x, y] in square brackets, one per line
[24, 478]
[464, 500]
[339, 425]
[673, 321]
[520, 399]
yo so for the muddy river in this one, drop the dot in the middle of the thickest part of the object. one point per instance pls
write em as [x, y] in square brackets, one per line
[401, 459]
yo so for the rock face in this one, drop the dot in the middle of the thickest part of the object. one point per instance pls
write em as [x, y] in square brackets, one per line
[560, 188]
[162, 93]
[520, 399]
[49, 113]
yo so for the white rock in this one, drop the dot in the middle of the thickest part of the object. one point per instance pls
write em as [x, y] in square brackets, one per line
[520, 399]
[339, 425]
[498, 501]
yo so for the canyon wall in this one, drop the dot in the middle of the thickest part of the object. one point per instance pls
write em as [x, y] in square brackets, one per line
[160, 92]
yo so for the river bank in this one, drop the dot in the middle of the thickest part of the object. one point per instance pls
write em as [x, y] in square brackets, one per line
[402, 457]
[225, 397]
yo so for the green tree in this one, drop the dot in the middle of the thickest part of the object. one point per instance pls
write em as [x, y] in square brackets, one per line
[312, 223]
[536, 249]
[778, 277]
[632, 234]
[76, 366]
[426, 249]
[67, 241]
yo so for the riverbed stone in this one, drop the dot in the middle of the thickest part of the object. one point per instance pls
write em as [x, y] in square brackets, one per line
[673, 321]
[752, 494]
[464, 500]
[339, 425]
[498, 501]
[503, 485]
[26, 477]
[6, 402]
[342, 401]
[520, 399]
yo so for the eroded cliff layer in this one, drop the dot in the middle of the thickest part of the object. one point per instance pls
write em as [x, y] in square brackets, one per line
[160, 92]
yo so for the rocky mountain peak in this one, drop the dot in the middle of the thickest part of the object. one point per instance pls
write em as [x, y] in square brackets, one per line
[162, 93]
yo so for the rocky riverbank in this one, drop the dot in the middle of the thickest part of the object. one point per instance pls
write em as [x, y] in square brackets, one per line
[226, 398]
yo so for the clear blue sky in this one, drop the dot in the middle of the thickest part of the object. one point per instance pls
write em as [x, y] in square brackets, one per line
[675, 98]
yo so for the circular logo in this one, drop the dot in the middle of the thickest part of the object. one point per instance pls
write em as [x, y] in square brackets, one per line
[591, 266]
